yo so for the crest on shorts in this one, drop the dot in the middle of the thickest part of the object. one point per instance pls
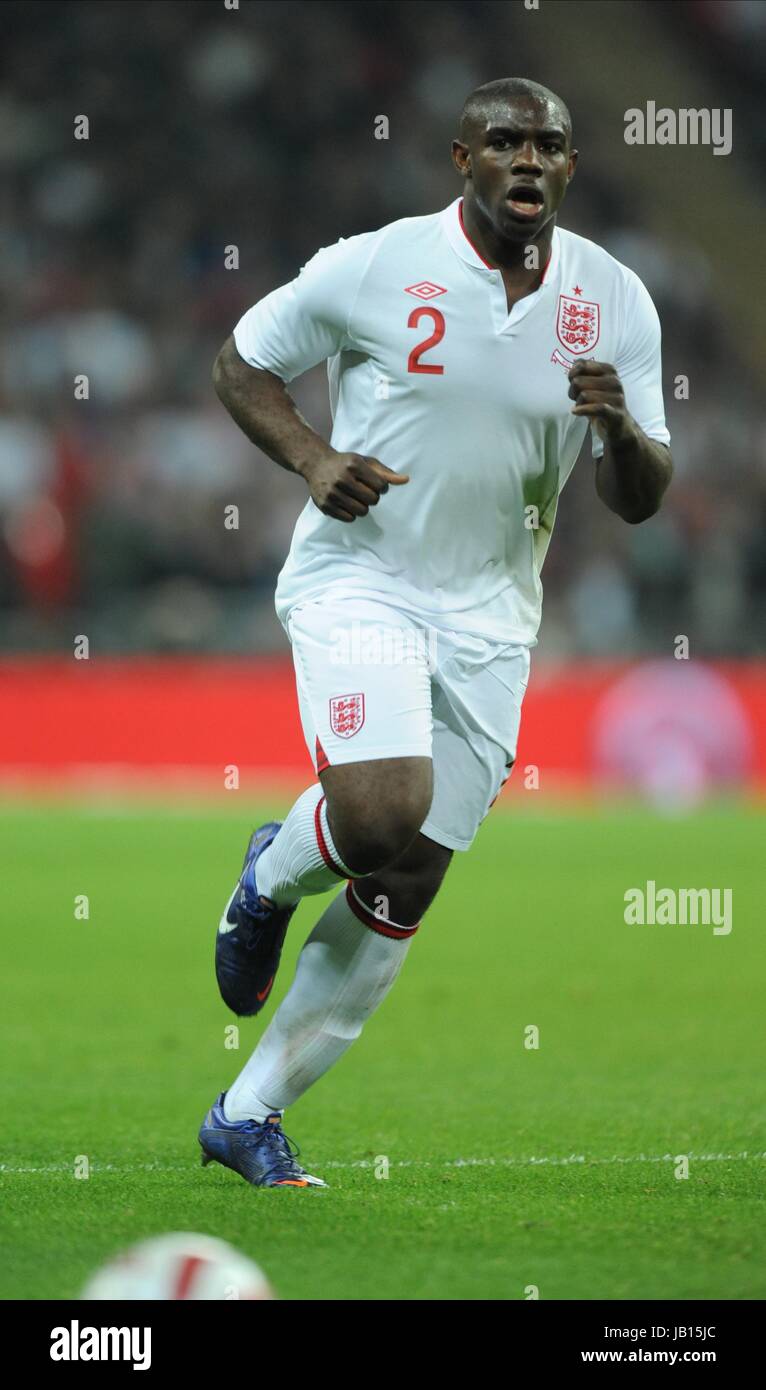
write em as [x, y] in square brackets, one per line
[578, 324]
[346, 714]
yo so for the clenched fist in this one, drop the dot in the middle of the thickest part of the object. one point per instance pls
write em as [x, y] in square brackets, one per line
[597, 389]
[345, 486]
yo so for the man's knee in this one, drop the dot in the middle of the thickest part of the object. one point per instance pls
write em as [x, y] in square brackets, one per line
[376, 809]
[407, 887]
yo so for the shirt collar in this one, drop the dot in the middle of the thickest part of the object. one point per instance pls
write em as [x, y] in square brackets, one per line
[452, 221]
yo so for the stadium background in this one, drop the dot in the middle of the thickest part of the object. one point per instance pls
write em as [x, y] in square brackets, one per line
[211, 127]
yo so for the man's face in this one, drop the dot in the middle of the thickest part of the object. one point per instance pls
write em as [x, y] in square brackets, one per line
[519, 162]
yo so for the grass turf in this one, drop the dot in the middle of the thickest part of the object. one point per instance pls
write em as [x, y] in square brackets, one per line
[651, 1043]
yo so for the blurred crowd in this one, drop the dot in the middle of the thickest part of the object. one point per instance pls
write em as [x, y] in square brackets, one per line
[211, 128]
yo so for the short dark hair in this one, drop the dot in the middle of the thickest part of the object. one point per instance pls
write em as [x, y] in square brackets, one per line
[501, 89]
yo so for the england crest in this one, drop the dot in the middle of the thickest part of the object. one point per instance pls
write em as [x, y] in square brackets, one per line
[578, 324]
[346, 714]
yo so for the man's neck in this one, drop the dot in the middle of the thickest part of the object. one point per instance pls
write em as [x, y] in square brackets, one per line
[509, 257]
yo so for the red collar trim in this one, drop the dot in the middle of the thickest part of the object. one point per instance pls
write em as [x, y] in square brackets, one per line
[468, 239]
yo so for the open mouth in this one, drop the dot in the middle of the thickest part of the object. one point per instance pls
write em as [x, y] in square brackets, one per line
[525, 202]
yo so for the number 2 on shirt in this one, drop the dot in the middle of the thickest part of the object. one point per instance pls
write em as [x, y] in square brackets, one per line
[414, 363]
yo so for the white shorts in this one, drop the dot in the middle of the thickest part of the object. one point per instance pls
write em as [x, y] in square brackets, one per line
[374, 681]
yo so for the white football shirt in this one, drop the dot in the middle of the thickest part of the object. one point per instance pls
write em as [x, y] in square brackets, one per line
[430, 374]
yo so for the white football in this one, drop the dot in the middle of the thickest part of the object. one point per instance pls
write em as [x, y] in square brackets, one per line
[179, 1266]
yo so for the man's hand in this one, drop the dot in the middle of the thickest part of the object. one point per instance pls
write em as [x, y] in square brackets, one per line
[634, 470]
[597, 391]
[345, 486]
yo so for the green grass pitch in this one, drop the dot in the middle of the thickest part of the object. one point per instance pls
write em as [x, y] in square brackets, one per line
[651, 1045]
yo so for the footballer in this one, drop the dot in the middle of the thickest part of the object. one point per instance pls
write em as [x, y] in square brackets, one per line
[468, 352]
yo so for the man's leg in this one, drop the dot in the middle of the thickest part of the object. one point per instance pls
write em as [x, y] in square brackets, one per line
[361, 818]
[366, 717]
[352, 957]
[404, 890]
[342, 975]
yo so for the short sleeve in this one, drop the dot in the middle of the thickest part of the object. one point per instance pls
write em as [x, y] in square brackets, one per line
[639, 364]
[307, 320]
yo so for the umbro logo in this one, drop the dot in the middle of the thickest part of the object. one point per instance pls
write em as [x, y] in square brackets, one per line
[425, 289]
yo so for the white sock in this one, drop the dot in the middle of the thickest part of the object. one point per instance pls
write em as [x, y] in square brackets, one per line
[344, 971]
[301, 858]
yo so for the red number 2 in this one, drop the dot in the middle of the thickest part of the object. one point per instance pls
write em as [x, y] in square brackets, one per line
[413, 361]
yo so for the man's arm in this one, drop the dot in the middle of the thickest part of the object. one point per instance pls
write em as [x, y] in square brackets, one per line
[632, 476]
[342, 486]
[634, 470]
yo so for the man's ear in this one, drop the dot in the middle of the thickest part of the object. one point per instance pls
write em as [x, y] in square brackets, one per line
[461, 158]
[573, 157]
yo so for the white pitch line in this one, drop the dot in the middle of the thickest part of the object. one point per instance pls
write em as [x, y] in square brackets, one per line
[534, 1162]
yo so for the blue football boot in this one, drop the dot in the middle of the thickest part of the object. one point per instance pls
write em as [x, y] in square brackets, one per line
[248, 944]
[261, 1153]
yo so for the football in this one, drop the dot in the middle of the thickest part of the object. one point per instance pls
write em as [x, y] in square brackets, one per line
[179, 1266]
